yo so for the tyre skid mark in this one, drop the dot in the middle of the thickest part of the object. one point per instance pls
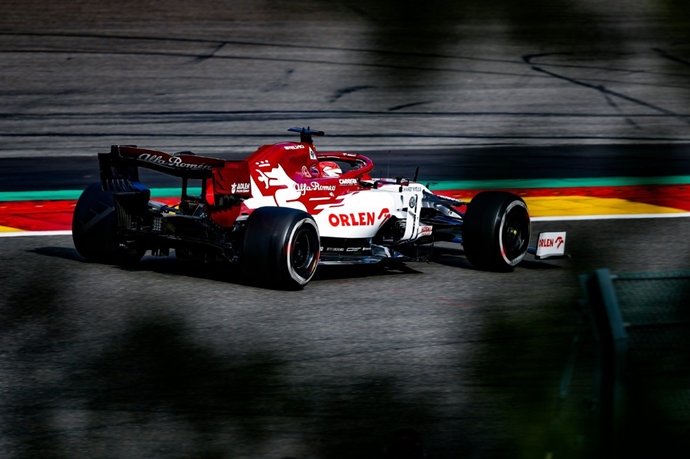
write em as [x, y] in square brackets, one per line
[608, 94]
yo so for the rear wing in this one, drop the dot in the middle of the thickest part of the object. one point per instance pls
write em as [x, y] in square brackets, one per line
[122, 158]
[119, 171]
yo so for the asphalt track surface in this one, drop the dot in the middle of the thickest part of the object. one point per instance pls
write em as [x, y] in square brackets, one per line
[175, 361]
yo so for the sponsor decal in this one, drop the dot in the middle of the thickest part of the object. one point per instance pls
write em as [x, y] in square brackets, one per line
[293, 147]
[172, 161]
[242, 187]
[312, 154]
[413, 202]
[550, 244]
[303, 188]
[357, 218]
[557, 242]
[343, 249]
[412, 188]
[425, 230]
[352, 219]
[348, 181]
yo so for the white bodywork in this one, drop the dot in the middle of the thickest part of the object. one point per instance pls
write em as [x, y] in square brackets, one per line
[356, 214]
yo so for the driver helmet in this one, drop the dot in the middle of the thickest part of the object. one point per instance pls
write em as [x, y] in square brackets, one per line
[329, 169]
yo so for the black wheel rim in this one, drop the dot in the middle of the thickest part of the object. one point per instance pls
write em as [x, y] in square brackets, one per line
[515, 233]
[303, 254]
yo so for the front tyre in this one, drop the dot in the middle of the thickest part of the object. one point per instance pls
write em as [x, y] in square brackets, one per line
[496, 230]
[281, 247]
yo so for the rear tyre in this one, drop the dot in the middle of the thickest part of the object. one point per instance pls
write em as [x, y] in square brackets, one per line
[281, 247]
[496, 230]
[94, 229]
[94, 224]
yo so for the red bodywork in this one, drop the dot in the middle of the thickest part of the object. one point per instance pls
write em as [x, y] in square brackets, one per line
[224, 181]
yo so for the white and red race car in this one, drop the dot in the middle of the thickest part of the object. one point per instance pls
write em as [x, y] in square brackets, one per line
[288, 208]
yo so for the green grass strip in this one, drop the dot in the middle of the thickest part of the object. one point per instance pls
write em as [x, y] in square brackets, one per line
[556, 183]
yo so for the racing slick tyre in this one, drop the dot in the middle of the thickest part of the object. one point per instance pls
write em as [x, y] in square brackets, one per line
[94, 229]
[281, 247]
[496, 230]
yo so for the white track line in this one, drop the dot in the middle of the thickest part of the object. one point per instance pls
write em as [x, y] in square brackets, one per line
[35, 233]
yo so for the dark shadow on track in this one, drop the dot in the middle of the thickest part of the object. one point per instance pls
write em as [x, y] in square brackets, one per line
[353, 272]
[228, 272]
[156, 374]
[456, 258]
[58, 252]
